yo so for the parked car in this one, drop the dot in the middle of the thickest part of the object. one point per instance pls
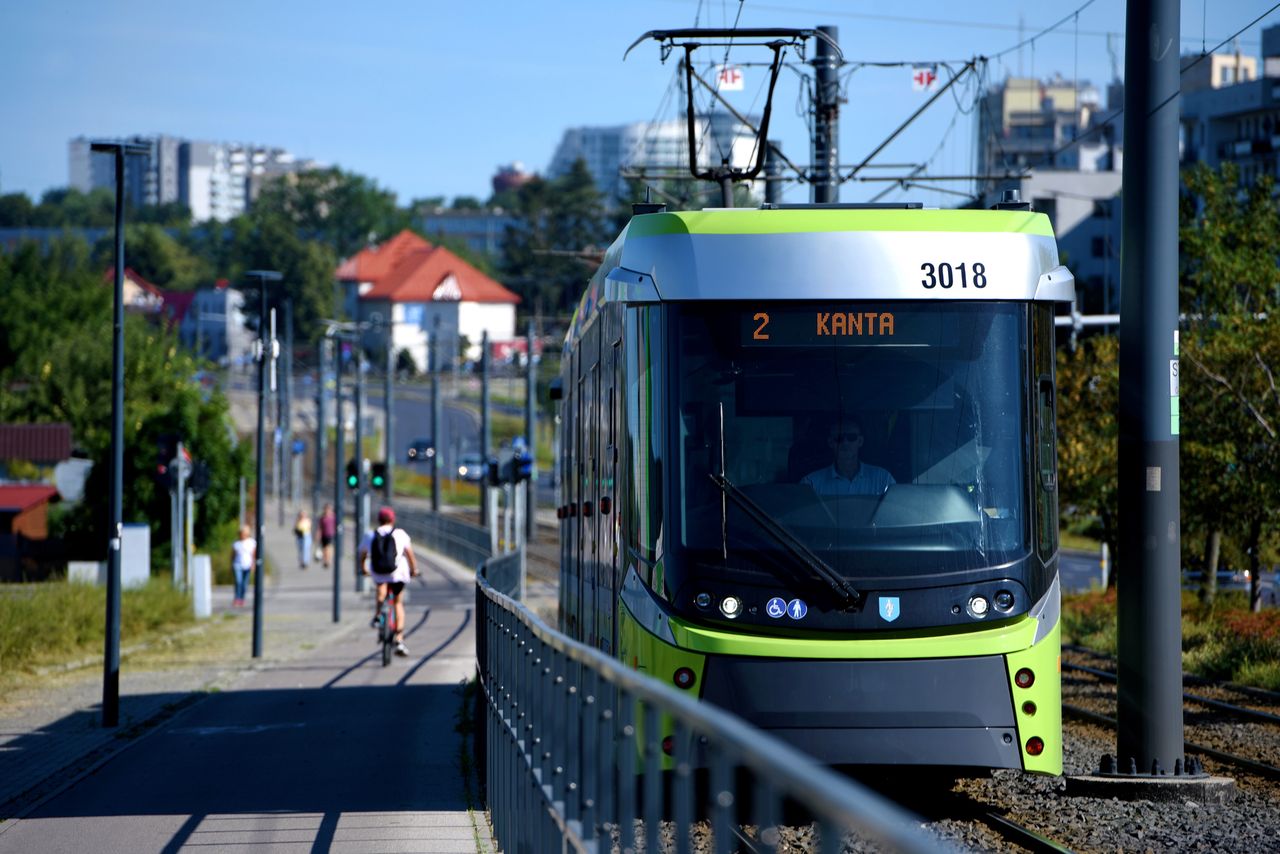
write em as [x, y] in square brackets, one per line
[1228, 579]
[471, 467]
[420, 451]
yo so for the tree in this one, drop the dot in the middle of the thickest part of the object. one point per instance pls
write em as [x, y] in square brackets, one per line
[555, 220]
[267, 241]
[1229, 289]
[1088, 434]
[157, 257]
[55, 365]
[341, 209]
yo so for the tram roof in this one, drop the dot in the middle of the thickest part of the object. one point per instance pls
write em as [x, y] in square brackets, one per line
[828, 254]
[833, 219]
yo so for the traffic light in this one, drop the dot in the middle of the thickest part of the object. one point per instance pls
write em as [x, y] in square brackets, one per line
[353, 474]
[378, 475]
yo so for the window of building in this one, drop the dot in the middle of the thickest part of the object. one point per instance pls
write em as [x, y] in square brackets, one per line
[1098, 247]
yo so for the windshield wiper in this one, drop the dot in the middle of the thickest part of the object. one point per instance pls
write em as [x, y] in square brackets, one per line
[849, 598]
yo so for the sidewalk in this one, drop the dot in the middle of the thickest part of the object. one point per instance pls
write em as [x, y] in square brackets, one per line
[229, 751]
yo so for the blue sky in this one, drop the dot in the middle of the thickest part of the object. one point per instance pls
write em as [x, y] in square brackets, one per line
[429, 98]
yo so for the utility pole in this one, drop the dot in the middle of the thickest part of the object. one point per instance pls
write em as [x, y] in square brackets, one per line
[1150, 604]
[826, 119]
[773, 172]
[265, 352]
[362, 478]
[484, 427]
[111, 651]
[287, 390]
[317, 483]
[339, 461]
[433, 364]
[389, 406]
[530, 435]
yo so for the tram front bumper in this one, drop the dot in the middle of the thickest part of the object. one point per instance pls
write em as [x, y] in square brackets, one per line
[946, 711]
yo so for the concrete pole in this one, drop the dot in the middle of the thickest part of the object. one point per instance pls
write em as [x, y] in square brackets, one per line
[826, 120]
[531, 433]
[286, 388]
[388, 399]
[362, 479]
[773, 173]
[1149, 606]
[436, 469]
[485, 518]
[317, 482]
[339, 481]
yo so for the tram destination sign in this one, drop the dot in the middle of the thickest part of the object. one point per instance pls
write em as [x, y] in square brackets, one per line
[842, 326]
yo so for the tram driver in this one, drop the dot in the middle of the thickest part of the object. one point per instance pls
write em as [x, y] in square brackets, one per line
[847, 474]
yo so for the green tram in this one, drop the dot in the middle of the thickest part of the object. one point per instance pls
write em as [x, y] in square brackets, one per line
[808, 473]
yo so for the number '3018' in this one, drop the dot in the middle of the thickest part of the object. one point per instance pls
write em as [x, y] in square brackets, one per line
[944, 275]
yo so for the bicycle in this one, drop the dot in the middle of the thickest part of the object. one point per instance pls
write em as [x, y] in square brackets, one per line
[387, 627]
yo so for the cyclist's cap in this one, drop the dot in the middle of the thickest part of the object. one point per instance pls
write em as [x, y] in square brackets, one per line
[386, 516]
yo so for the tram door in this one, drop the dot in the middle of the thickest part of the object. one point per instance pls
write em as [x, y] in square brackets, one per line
[609, 525]
[570, 556]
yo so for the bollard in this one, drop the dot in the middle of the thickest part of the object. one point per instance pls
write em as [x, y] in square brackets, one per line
[202, 586]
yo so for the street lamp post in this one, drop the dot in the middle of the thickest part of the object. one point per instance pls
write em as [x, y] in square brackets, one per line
[265, 352]
[111, 652]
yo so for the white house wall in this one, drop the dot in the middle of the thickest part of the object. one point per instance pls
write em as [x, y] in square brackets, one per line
[474, 319]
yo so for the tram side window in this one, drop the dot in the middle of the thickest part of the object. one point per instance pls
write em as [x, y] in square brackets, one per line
[1046, 449]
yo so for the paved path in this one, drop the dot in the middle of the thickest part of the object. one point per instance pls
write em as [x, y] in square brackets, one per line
[315, 747]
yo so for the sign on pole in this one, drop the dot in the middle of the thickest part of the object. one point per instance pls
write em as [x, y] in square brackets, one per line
[729, 78]
[924, 78]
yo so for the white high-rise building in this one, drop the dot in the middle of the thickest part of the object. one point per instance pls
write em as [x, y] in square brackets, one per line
[718, 138]
[216, 180]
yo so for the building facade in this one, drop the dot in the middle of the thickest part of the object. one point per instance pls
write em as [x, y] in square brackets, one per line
[660, 148]
[1024, 122]
[215, 180]
[1232, 115]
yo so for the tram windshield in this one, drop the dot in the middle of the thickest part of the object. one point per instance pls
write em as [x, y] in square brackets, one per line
[886, 440]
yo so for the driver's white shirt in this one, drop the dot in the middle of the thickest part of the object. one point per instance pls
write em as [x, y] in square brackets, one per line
[869, 480]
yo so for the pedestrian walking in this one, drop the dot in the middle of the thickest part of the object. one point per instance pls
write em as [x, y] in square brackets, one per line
[244, 553]
[328, 530]
[302, 534]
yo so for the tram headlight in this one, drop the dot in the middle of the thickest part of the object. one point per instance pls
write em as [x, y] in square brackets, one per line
[978, 606]
[702, 600]
[731, 606]
[1003, 601]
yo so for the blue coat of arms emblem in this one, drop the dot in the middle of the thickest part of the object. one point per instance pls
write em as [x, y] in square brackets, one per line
[889, 609]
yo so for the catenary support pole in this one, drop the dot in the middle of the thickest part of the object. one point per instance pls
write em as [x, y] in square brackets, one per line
[388, 399]
[362, 477]
[484, 427]
[264, 355]
[1149, 619]
[773, 172]
[339, 463]
[826, 120]
[436, 469]
[531, 433]
[317, 480]
[286, 388]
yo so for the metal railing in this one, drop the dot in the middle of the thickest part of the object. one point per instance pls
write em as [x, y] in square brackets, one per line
[468, 544]
[580, 753]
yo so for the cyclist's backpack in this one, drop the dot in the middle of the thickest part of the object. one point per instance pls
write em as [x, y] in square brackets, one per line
[382, 553]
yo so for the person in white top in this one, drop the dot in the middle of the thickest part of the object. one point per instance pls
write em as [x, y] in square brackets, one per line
[244, 552]
[848, 475]
[404, 567]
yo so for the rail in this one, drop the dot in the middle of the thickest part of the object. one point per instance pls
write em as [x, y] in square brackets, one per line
[573, 754]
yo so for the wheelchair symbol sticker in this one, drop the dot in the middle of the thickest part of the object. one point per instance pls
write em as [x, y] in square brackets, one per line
[776, 607]
[796, 609]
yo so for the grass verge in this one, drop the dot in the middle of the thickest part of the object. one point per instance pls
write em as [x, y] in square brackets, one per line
[1227, 641]
[57, 621]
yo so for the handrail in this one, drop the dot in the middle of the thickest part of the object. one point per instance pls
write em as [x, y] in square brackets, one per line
[564, 726]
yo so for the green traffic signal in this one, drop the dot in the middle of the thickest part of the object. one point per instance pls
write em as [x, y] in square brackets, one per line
[378, 475]
[353, 478]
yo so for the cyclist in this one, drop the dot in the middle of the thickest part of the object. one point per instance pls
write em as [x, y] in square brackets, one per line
[391, 563]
